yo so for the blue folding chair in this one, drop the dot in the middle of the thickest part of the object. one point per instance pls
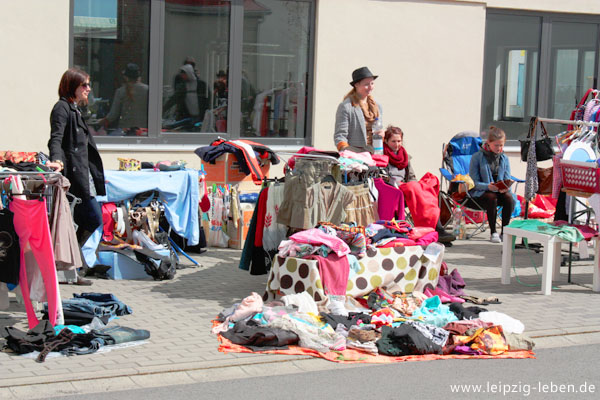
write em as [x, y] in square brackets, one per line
[454, 193]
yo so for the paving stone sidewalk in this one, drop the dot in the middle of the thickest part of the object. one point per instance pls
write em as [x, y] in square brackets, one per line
[178, 314]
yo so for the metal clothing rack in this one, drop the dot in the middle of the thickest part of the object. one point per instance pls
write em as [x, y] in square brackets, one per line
[572, 203]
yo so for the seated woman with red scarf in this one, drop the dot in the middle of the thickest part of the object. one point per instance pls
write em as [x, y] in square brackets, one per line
[400, 170]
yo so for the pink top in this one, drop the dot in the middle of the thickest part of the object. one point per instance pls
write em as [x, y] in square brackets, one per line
[316, 236]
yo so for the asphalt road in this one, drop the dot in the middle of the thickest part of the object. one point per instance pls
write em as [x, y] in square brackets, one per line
[558, 373]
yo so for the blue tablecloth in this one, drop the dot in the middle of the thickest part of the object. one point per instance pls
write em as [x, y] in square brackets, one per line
[178, 191]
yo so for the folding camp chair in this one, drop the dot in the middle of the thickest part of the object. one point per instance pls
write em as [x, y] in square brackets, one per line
[454, 193]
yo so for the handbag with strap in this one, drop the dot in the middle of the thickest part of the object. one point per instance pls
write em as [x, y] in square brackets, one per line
[545, 179]
[543, 146]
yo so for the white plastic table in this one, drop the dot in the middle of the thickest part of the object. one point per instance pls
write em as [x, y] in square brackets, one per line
[551, 257]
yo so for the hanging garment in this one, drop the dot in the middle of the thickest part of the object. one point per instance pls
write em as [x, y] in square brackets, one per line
[273, 232]
[390, 201]
[334, 271]
[9, 249]
[260, 220]
[67, 254]
[31, 224]
[360, 210]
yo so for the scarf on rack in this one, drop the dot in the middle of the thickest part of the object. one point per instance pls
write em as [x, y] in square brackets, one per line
[398, 160]
[492, 158]
[370, 112]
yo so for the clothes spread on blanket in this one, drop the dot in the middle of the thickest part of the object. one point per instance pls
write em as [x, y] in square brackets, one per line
[394, 324]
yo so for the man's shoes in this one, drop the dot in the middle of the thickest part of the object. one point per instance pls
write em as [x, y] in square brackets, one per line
[83, 282]
[445, 237]
[495, 238]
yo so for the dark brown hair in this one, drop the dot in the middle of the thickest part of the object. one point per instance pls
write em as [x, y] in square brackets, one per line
[391, 131]
[70, 81]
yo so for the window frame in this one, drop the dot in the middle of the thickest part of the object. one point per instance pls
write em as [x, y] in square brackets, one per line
[544, 73]
[179, 141]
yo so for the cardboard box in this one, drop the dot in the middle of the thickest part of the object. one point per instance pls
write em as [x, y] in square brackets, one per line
[226, 171]
[237, 236]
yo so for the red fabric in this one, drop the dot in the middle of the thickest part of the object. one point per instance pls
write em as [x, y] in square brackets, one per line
[264, 121]
[334, 271]
[260, 217]
[108, 222]
[400, 242]
[381, 160]
[587, 231]
[422, 200]
[540, 207]
[399, 160]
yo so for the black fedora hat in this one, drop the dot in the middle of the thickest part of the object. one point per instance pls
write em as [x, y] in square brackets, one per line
[360, 74]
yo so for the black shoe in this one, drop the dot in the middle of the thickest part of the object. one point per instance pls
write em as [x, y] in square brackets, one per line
[445, 237]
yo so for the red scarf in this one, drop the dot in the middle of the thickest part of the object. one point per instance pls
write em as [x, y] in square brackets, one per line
[399, 160]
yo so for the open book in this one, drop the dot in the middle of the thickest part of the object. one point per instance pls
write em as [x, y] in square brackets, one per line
[504, 184]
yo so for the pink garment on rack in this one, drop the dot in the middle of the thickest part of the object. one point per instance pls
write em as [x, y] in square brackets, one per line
[317, 237]
[31, 225]
[334, 271]
[390, 203]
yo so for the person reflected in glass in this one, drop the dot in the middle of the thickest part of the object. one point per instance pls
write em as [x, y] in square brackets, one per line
[73, 152]
[220, 89]
[129, 109]
[189, 96]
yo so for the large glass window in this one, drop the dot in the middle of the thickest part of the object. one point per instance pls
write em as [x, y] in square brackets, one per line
[196, 60]
[517, 85]
[274, 68]
[510, 70]
[111, 43]
[185, 71]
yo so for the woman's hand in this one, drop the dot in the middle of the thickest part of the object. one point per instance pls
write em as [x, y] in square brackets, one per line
[55, 165]
[380, 133]
[492, 187]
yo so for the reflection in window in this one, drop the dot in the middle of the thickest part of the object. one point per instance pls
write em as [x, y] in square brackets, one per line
[572, 67]
[111, 42]
[274, 68]
[195, 66]
[512, 45]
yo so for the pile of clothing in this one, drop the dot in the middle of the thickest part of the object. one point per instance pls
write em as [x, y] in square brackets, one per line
[85, 332]
[382, 323]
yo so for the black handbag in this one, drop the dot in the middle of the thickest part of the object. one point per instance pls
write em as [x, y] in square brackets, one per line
[543, 146]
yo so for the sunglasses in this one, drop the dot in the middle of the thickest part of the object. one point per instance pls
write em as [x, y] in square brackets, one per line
[87, 84]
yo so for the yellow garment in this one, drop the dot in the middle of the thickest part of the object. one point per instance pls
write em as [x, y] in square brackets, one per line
[466, 179]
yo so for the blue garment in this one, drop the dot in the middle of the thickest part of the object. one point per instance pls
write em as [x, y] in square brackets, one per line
[72, 328]
[434, 312]
[178, 191]
[481, 173]
[107, 305]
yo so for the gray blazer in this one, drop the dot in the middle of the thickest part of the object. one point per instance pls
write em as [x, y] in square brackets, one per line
[350, 125]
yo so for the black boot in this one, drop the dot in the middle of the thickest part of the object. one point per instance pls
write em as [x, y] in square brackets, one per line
[443, 235]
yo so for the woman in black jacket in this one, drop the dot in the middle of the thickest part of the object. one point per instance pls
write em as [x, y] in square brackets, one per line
[74, 153]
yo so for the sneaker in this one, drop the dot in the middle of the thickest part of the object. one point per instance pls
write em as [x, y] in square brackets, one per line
[495, 238]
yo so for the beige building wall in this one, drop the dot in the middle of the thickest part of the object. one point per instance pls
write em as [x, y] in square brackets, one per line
[35, 52]
[429, 55]
[429, 58]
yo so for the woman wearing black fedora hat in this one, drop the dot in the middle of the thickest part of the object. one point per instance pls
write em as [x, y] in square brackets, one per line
[356, 114]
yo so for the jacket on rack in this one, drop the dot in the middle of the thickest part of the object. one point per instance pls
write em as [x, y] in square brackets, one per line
[71, 142]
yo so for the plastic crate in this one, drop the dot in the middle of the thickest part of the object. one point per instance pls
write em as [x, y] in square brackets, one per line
[580, 176]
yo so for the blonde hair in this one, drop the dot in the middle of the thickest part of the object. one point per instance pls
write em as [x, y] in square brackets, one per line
[494, 133]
